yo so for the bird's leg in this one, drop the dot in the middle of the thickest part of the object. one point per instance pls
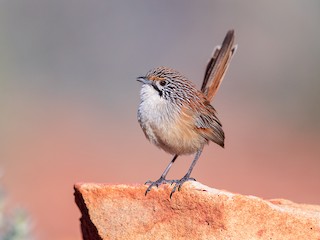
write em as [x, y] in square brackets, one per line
[162, 178]
[187, 176]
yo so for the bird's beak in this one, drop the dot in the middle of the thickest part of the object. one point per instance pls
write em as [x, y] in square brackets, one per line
[143, 80]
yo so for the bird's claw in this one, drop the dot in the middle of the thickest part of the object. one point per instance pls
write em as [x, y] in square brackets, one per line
[179, 183]
[162, 180]
[157, 183]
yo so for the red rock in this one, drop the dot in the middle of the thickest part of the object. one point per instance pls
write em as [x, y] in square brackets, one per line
[196, 212]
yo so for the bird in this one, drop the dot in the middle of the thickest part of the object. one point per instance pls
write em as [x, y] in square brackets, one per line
[177, 117]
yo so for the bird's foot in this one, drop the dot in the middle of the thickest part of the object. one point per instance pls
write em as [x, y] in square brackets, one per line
[179, 183]
[159, 182]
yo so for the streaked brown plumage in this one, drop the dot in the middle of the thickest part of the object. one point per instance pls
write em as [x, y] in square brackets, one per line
[177, 117]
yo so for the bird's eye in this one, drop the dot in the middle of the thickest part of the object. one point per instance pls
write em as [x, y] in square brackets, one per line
[163, 82]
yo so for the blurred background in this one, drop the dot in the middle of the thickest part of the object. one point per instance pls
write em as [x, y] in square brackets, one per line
[69, 96]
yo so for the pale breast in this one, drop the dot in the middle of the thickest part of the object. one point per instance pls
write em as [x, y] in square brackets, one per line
[166, 126]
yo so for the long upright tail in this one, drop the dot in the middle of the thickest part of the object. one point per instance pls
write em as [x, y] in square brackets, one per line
[218, 65]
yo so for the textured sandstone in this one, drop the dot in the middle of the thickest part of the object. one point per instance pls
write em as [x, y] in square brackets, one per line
[196, 212]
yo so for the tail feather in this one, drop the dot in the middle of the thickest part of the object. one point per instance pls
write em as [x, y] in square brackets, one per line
[218, 65]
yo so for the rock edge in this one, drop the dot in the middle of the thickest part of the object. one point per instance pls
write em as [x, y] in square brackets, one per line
[196, 212]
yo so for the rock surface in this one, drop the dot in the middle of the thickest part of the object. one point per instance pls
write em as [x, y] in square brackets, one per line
[196, 212]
